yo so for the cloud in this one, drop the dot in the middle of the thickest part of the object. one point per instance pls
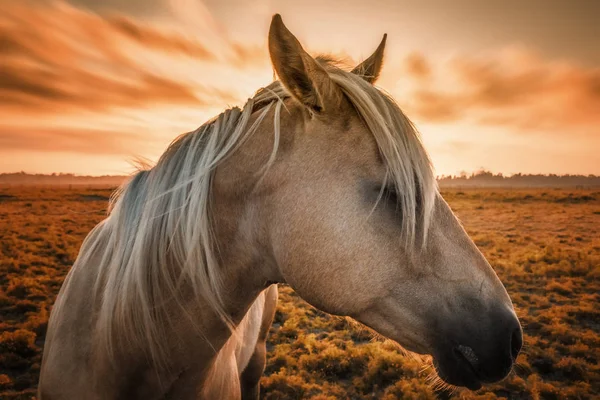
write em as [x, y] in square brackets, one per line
[56, 57]
[513, 88]
[433, 106]
[132, 7]
[245, 55]
[152, 38]
[76, 70]
[83, 141]
[417, 66]
[31, 89]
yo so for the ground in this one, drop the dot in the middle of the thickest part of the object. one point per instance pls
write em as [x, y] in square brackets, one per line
[544, 244]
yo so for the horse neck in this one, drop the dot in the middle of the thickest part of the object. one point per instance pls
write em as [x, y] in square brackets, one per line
[240, 236]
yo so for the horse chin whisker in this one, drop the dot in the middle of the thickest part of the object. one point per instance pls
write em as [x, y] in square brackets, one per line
[439, 385]
[425, 368]
[520, 368]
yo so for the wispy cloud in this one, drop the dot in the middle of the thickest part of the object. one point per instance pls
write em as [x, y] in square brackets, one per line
[63, 67]
[153, 38]
[57, 57]
[34, 89]
[82, 141]
[514, 88]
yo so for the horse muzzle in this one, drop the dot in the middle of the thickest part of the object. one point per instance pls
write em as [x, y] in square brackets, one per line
[482, 354]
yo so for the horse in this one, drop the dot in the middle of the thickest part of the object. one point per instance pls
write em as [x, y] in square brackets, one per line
[320, 182]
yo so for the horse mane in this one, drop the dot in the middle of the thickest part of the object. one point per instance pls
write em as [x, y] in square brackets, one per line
[159, 226]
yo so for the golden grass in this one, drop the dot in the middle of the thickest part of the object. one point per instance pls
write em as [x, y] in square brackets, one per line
[543, 243]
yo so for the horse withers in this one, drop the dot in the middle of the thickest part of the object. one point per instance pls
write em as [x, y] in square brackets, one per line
[321, 182]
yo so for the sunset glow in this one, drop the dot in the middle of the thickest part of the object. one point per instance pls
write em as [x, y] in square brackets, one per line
[86, 88]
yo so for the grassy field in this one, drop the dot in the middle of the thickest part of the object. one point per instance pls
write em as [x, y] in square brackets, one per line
[544, 245]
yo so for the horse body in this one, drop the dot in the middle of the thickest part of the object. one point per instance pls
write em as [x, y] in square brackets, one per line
[320, 182]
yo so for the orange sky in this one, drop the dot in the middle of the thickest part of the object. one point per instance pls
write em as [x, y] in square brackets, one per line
[86, 86]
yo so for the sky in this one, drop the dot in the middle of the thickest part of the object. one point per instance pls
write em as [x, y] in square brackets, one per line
[87, 86]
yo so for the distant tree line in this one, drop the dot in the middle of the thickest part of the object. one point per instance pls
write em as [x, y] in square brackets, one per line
[488, 179]
[23, 178]
[481, 178]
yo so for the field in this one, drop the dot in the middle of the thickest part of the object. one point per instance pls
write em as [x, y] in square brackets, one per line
[544, 244]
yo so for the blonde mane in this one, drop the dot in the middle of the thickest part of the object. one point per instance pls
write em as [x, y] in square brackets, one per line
[160, 229]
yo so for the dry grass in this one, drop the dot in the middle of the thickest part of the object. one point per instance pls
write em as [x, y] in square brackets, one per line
[543, 243]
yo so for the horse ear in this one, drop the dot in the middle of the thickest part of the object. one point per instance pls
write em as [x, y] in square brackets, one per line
[370, 68]
[305, 79]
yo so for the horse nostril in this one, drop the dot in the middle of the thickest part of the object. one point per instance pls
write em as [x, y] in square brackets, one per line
[466, 353]
[516, 342]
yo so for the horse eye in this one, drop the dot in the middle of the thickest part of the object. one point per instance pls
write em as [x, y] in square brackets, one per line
[389, 194]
